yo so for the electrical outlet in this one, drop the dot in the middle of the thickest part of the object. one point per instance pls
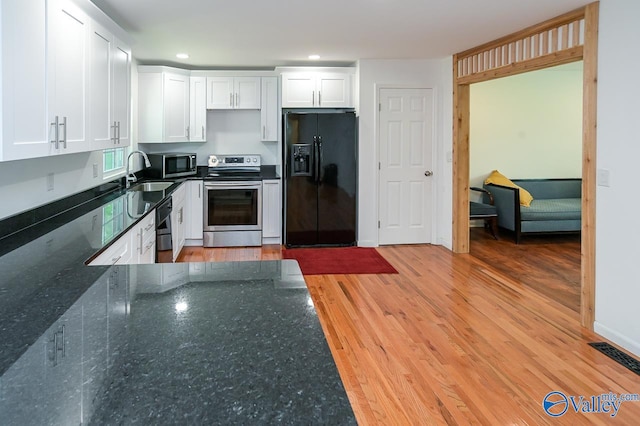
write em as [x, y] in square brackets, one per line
[50, 182]
[95, 170]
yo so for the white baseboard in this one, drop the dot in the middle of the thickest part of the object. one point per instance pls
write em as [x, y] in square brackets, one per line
[367, 243]
[617, 338]
[193, 243]
[271, 241]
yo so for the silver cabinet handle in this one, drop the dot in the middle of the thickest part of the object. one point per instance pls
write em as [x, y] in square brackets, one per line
[151, 243]
[264, 132]
[64, 351]
[56, 132]
[181, 214]
[313, 97]
[231, 100]
[114, 138]
[149, 226]
[118, 128]
[115, 259]
[237, 100]
[141, 241]
[64, 124]
[188, 137]
[319, 98]
[202, 132]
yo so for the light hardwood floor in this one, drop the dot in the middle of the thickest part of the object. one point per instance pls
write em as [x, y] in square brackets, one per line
[453, 340]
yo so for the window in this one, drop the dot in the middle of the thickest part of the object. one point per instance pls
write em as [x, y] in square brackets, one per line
[112, 161]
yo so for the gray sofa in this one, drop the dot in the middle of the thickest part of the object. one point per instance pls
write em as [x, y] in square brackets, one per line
[556, 206]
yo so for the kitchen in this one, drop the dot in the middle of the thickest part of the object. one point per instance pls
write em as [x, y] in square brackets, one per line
[78, 345]
[70, 334]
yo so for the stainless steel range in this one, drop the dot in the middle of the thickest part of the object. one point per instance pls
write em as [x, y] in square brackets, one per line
[233, 201]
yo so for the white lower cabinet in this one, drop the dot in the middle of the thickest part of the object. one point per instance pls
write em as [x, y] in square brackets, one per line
[271, 212]
[178, 223]
[119, 253]
[194, 212]
[143, 240]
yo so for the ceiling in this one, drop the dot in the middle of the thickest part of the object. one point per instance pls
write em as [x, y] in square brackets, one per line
[245, 34]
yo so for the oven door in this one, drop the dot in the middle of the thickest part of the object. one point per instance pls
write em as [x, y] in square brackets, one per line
[233, 206]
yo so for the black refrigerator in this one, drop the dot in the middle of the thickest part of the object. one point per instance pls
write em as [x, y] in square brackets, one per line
[320, 171]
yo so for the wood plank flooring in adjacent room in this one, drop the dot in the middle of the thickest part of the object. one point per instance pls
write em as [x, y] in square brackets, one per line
[453, 340]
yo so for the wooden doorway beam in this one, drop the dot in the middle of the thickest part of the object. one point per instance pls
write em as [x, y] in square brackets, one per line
[566, 38]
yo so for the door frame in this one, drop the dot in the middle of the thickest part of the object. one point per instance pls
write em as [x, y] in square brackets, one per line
[500, 58]
[434, 166]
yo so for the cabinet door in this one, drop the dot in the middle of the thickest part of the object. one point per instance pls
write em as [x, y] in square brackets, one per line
[220, 92]
[68, 63]
[271, 209]
[269, 109]
[25, 121]
[102, 131]
[198, 109]
[177, 220]
[194, 210]
[298, 90]
[247, 92]
[150, 107]
[121, 93]
[334, 90]
[176, 108]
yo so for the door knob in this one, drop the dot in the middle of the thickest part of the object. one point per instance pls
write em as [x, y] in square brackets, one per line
[428, 173]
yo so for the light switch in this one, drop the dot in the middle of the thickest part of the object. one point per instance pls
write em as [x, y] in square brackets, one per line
[603, 177]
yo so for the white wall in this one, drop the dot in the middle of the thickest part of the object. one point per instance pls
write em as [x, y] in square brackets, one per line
[528, 125]
[617, 233]
[228, 132]
[435, 74]
[24, 182]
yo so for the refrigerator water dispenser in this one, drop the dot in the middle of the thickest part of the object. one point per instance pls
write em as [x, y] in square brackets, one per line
[301, 160]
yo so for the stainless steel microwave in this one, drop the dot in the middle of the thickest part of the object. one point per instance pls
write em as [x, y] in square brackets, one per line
[172, 165]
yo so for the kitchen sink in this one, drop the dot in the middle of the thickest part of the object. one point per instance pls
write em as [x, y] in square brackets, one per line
[151, 186]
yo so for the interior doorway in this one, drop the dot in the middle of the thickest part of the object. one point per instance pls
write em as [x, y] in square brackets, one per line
[567, 38]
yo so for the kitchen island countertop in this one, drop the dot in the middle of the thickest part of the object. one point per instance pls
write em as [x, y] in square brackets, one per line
[214, 343]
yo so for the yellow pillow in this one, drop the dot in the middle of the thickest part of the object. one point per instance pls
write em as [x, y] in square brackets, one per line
[498, 178]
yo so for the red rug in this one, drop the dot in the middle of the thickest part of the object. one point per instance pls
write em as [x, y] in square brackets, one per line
[343, 260]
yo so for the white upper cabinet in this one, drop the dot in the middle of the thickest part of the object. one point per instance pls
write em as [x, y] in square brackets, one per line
[233, 92]
[48, 81]
[176, 108]
[109, 91]
[317, 90]
[269, 109]
[198, 109]
[25, 122]
[121, 93]
[163, 105]
[67, 80]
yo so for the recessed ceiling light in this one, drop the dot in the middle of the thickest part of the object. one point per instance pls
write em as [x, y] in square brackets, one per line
[182, 56]
[314, 57]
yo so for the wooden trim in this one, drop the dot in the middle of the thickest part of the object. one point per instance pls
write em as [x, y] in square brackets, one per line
[573, 54]
[461, 128]
[558, 21]
[589, 124]
[587, 50]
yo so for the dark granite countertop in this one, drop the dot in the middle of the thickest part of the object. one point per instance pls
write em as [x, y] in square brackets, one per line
[190, 343]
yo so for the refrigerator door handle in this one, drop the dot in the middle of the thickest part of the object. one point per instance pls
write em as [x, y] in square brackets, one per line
[316, 156]
[319, 160]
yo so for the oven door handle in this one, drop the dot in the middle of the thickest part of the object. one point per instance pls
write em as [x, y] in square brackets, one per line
[233, 184]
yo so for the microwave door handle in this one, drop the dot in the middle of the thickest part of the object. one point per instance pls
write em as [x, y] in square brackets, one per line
[190, 162]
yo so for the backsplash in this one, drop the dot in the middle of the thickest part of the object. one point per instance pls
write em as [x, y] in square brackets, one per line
[228, 132]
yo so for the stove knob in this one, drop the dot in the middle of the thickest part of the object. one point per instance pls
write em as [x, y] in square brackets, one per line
[255, 160]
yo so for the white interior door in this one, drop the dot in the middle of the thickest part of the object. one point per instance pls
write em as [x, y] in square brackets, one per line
[405, 124]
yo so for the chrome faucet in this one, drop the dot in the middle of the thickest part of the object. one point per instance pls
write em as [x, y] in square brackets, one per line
[131, 177]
